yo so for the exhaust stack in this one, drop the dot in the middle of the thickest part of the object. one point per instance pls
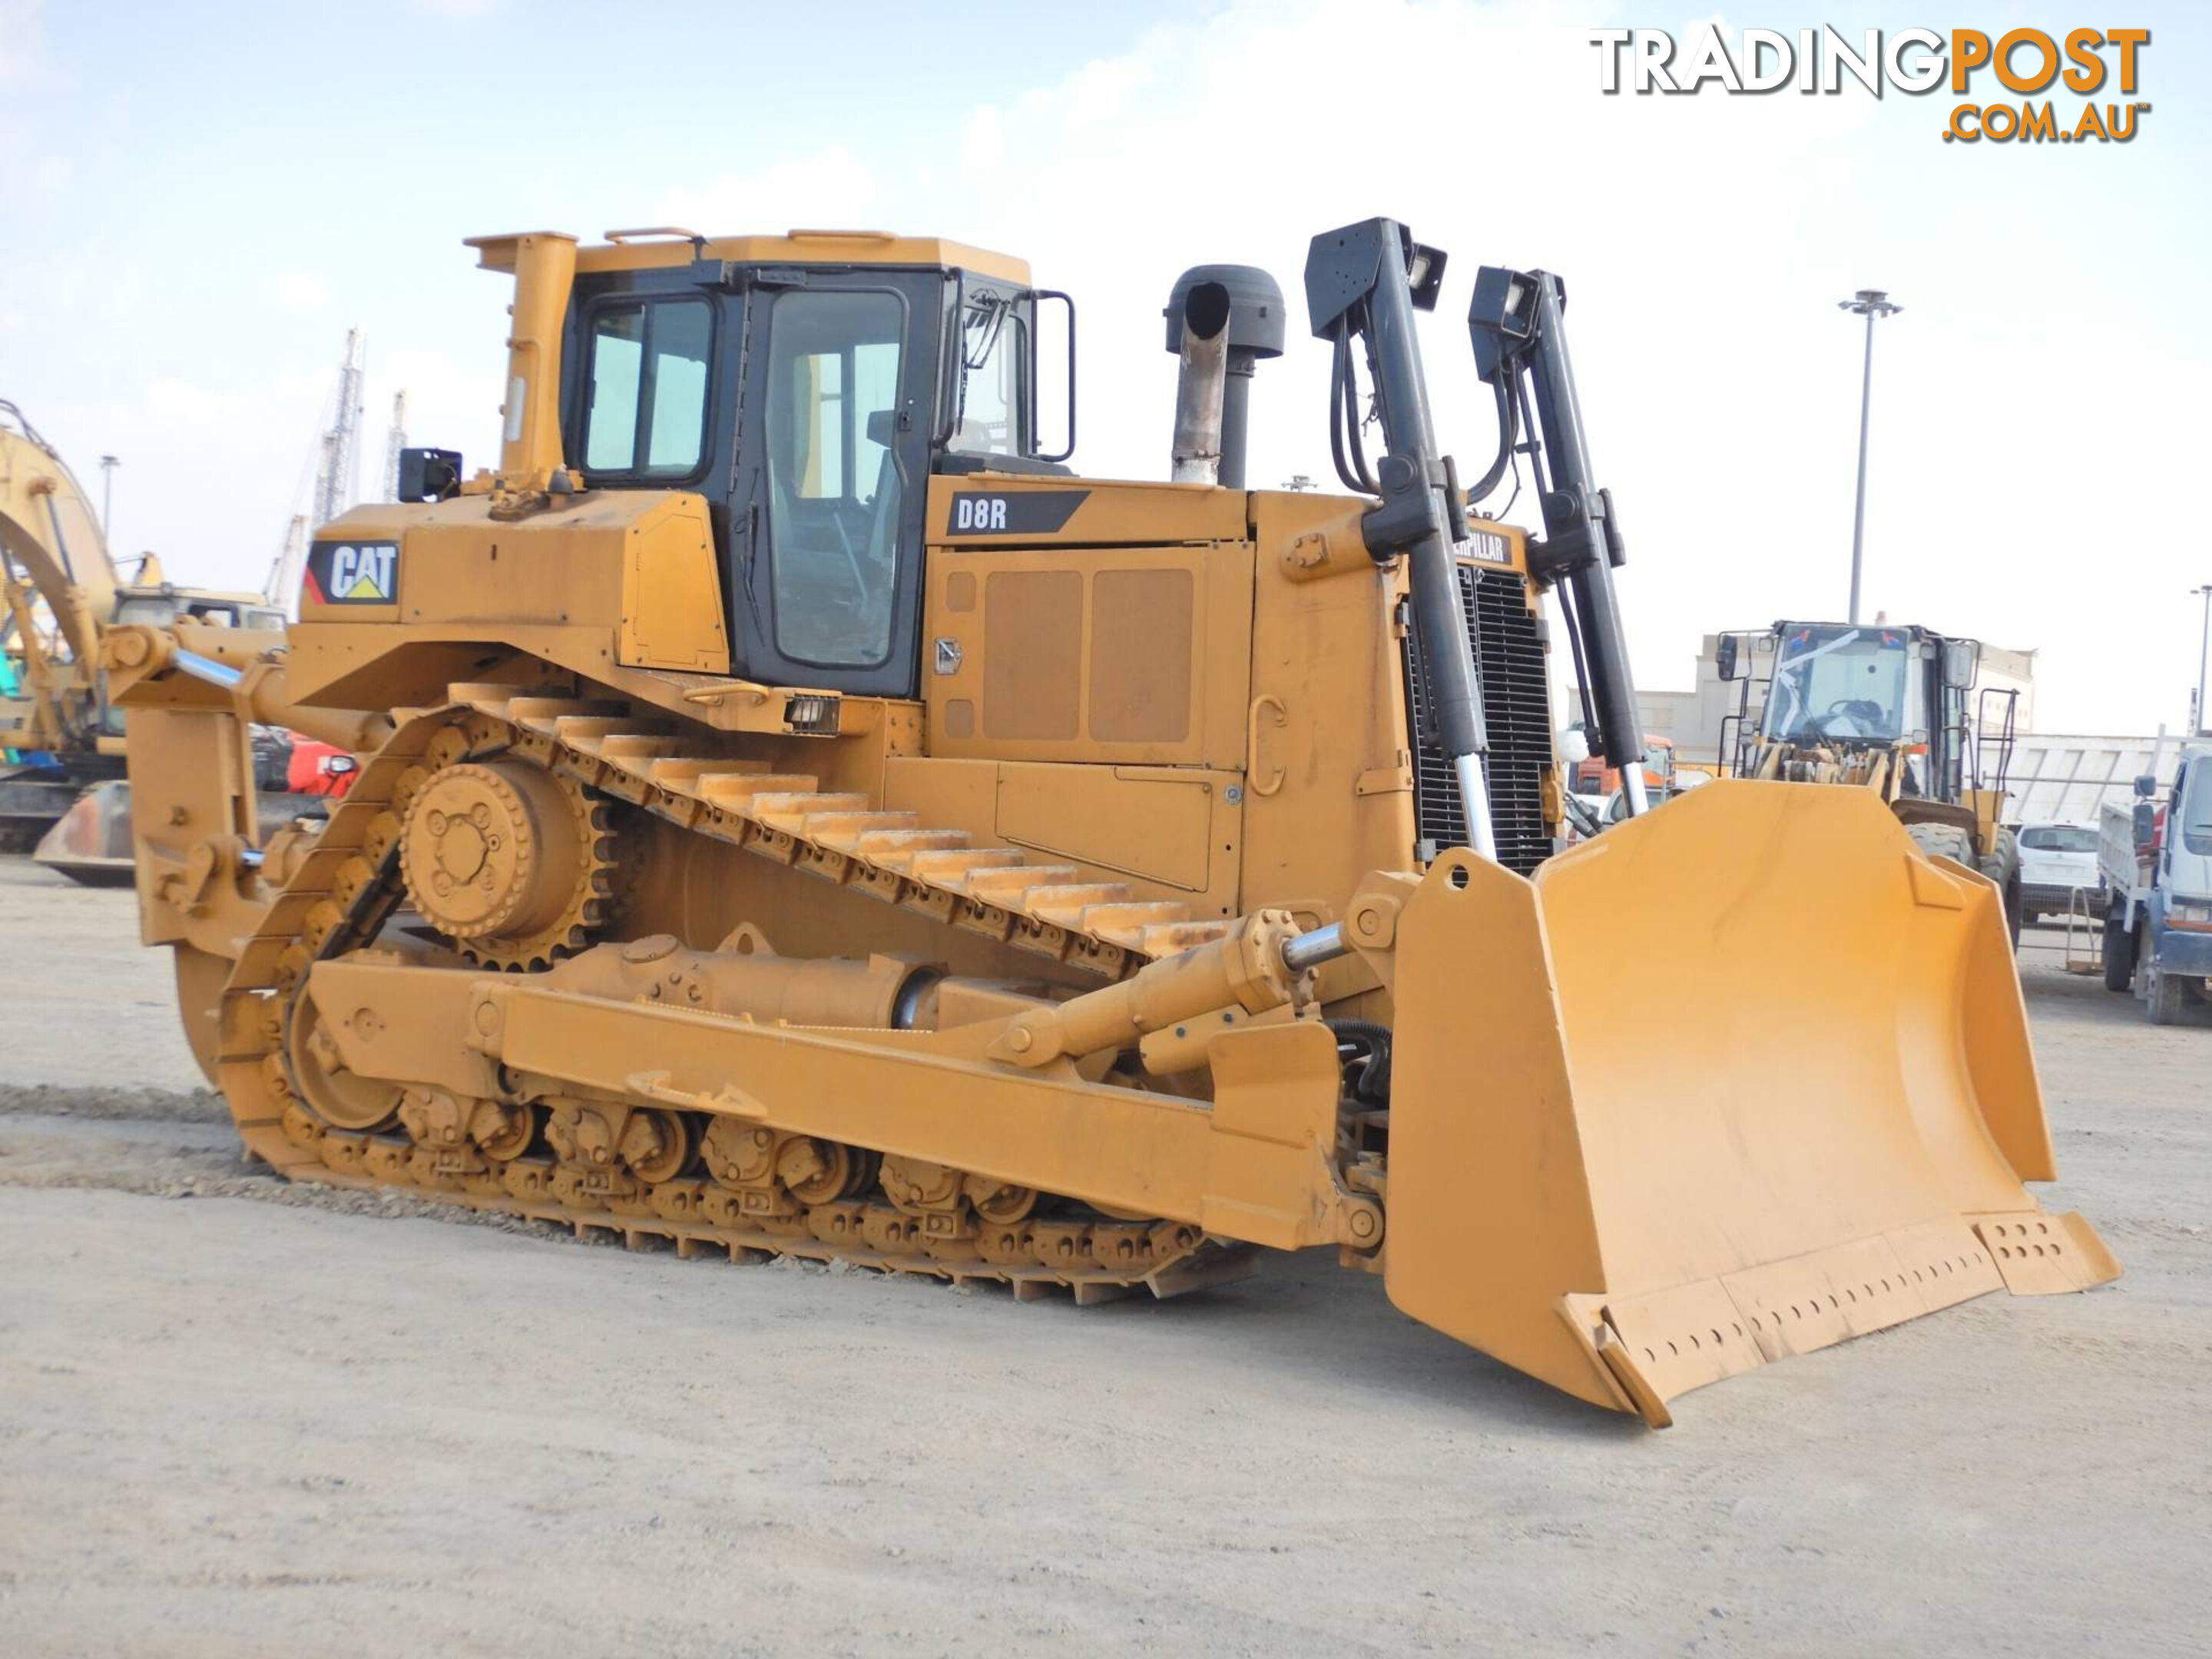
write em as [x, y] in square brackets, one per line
[1204, 347]
[1253, 329]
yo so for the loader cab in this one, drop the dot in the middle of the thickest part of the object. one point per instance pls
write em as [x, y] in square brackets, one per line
[808, 404]
[1840, 684]
[1852, 690]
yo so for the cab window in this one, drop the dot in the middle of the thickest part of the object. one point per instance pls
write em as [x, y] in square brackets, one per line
[989, 394]
[836, 495]
[647, 416]
[2194, 791]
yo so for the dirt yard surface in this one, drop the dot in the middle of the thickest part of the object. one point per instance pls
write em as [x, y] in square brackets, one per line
[239, 1417]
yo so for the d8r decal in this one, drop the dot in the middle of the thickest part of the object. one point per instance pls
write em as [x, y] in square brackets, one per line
[1013, 513]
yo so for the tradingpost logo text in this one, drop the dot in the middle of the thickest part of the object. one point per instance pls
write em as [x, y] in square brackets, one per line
[2024, 84]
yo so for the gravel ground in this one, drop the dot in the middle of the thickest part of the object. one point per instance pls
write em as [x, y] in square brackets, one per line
[240, 1417]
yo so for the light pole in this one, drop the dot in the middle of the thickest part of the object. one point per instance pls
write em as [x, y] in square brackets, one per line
[2197, 724]
[107, 465]
[1869, 303]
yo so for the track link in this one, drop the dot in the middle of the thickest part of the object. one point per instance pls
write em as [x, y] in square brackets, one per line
[1050, 909]
[350, 884]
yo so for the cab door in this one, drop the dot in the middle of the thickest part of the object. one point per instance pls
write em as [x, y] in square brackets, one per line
[824, 538]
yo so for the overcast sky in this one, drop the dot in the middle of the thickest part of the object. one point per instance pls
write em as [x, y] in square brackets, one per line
[199, 201]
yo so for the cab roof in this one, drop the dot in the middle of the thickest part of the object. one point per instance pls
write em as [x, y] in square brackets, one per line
[659, 247]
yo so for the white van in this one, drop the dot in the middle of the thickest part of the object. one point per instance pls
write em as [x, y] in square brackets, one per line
[2055, 859]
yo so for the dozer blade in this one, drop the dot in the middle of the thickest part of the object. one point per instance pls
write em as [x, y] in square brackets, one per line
[1736, 1080]
[91, 842]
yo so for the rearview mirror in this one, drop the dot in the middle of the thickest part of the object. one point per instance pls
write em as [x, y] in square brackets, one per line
[2147, 786]
[1960, 659]
[1724, 655]
[428, 475]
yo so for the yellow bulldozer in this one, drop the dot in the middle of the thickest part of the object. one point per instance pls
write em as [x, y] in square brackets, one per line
[800, 815]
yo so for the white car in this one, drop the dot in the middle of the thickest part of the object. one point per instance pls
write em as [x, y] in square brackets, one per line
[2055, 859]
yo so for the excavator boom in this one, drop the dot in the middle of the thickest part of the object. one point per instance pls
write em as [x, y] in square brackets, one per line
[61, 787]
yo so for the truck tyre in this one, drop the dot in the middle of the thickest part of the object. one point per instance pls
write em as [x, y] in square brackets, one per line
[2165, 999]
[1943, 841]
[2003, 867]
[2119, 947]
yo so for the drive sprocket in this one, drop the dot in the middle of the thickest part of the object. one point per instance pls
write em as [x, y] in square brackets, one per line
[514, 863]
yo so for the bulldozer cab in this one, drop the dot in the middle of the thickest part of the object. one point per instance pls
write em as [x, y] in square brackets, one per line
[808, 401]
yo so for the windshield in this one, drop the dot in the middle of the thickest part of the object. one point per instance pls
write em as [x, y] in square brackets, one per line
[2059, 838]
[2197, 805]
[1840, 682]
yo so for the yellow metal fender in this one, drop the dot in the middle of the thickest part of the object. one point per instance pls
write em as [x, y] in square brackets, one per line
[1738, 1079]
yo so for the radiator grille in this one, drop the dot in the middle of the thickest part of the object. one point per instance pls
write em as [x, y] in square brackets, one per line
[1517, 702]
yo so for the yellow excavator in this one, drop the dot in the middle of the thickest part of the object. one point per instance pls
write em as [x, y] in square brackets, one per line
[800, 815]
[61, 739]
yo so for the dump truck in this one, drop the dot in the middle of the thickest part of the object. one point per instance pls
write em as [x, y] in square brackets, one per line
[800, 815]
[2155, 858]
[1883, 707]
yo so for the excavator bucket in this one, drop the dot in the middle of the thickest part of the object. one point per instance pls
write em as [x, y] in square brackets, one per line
[1739, 1078]
[91, 842]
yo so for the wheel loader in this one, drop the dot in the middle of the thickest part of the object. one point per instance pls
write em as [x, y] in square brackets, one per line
[800, 815]
[1885, 708]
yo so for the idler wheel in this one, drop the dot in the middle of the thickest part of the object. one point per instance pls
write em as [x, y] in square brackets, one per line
[341, 1099]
